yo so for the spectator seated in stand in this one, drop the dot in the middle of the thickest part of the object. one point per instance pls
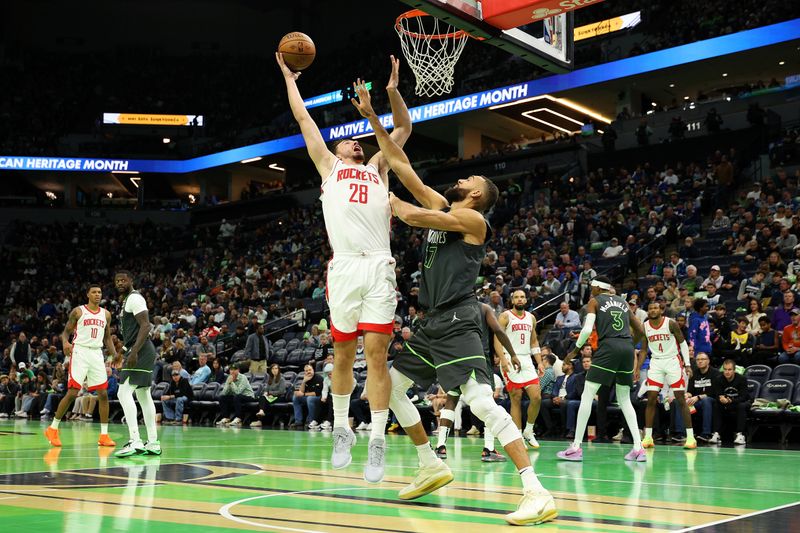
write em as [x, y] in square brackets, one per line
[274, 392]
[237, 390]
[308, 397]
[174, 401]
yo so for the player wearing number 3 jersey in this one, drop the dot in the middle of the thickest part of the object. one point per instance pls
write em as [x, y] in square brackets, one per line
[361, 274]
[88, 330]
[614, 359]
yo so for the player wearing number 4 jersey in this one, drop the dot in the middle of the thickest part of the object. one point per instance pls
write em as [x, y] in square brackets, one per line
[613, 360]
[663, 338]
[361, 275]
[90, 325]
[520, 326]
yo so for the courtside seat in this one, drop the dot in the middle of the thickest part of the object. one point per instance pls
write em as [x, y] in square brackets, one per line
[279, 344]
[790, 372]
[760, 373]
[773, 390]
[753, 388]
[289, 376]
[292, 344]
[279, 357]
[157, 391]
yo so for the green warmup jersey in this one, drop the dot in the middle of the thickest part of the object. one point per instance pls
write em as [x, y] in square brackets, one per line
[613, 317]
[450, 269]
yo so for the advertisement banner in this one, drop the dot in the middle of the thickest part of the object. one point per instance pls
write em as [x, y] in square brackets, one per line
[151, 119]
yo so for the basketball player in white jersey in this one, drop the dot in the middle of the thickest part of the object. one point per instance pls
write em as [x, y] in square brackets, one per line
[663, 337]
[361, 274]
[520, 326]
[90, 325]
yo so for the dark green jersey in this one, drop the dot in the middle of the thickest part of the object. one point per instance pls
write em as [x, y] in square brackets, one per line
[486, 335]
[134, 304]
[450, 268]
[613, 317]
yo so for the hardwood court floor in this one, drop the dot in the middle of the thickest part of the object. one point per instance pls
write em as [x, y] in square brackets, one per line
[214, 480]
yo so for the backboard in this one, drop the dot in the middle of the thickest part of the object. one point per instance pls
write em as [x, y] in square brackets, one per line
[546, 41]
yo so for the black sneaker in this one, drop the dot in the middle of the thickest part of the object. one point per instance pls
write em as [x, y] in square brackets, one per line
[678, 438]
[441, 452]
[703, 438]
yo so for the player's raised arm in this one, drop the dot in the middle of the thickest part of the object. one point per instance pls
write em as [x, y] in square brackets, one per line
[395, 157]
[400, 117]
[322, 157]
[466, 221]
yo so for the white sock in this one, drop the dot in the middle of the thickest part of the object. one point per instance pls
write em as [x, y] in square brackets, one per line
[528, 427]
[624, 399]
[103, 429]
[379, 419]
[148, 412]
[426, 455]
[648, 433]
[441, 438]
[585, 411]
[689, 433]
[341, 406]
[125, 397]
[54, 423]
[529, 480]
[488, 439]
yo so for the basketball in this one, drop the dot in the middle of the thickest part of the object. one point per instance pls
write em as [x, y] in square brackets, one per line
[298, 50]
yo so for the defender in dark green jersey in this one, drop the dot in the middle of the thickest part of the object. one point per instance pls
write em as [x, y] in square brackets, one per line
[614, 358]
[136, 374]
[448, 344]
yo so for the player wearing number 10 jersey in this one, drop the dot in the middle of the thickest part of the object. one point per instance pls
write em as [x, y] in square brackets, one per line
[361, 274]
[90, 325]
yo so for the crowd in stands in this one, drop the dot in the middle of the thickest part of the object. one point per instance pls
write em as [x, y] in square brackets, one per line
[47, 98]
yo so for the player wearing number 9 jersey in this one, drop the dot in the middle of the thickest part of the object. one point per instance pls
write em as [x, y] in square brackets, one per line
[361, 274]
[88, 329]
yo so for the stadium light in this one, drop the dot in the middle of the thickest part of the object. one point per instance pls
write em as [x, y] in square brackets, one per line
[251, 160]
[362, 136]
[781, 63]
[192, 199]
[671, 85]
[50, 195]
[724, 74]
[166, 140]
[274, 166]
[135, 181]
[529, 114]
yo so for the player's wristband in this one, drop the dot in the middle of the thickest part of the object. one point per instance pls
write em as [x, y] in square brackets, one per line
[685, 353]
[536, 351]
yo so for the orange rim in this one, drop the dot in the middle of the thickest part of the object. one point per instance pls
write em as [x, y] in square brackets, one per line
[419, 13]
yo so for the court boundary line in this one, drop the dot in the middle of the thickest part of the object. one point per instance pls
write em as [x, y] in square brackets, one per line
[734, 519]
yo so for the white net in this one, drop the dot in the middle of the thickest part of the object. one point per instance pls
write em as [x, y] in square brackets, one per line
[432, 49]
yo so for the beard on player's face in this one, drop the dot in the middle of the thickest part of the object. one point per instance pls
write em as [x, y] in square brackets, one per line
[519, 306]
[456, 194]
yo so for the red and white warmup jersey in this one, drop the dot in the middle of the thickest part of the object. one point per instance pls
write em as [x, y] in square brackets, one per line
[90, 328]
[355, 203]
[361, 277]
[519, 332]
[662, 343]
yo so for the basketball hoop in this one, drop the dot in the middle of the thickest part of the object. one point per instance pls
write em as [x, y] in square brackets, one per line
[431, 52]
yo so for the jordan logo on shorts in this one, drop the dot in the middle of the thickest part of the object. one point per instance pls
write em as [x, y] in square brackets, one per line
[455, 317]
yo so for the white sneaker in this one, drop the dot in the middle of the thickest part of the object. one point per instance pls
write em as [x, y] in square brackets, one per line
[739, 440]
[361, 427]
[369, 427]
[256, 424]
[535, 507]
[260, 413]
[44, 411]
[618, 436]
[325, 426]
[530, 438]
[21, 414]
[3, 415]
[313, 424]
[473, 431]
[223, 422]
[427, 480]
[153, 448]
[376, 461]
[131, 448]
[343, 440]
[715, 439]
[236, 422]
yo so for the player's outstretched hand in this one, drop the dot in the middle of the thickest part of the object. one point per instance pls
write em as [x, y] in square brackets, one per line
[688, 372]
[364, 103]
[394, 77]
[133, 358]
[515, 363]
[68, 349]
[635, 373]
[287, 72]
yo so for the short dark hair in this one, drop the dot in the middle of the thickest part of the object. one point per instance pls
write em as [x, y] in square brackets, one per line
[124, 273]
[335, 144]
[731, 361]
[490, 194]
[92, 286]
[763, 320]
[699, 303]
[550, 359]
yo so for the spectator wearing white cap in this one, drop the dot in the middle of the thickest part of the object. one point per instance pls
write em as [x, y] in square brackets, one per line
[715, 277]
[613, 249]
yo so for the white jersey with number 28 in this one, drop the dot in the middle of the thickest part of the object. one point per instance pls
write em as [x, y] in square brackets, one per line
[355, 203]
